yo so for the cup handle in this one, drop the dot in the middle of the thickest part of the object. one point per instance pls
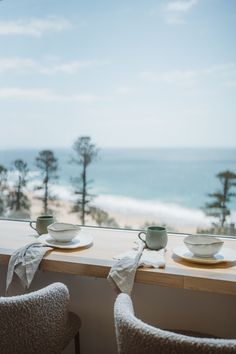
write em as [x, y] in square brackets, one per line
[31, 222]
[139, 235]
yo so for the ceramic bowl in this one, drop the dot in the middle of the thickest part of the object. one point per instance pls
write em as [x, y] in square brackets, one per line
[63, 232]
[203, 245]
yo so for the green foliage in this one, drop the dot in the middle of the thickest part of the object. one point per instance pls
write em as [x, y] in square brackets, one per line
[17, 199]
[219, 207]
[85, 152]
[3, 189]
[48, 165]
[227, 229]
[102, 218]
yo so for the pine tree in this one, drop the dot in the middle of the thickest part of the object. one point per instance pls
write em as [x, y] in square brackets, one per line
[219, 207]
[3, 189]
[48, 165]
[17, 199]
[85, 153]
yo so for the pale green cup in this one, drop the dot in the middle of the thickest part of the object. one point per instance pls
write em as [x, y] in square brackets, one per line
[42, 223]
[155, 237]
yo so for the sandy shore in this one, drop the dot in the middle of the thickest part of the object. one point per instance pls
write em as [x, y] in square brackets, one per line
[61, 210]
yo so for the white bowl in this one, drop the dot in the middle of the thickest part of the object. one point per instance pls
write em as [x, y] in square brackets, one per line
[63, 232]
[203, 245]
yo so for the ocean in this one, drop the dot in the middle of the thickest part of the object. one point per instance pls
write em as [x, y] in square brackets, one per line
[167, 182]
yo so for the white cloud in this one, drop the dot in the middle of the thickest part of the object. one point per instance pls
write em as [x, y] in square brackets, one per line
[27, 65]
[35, 27]
[175, 10]
[69, 67]
[177, 77]
[17, 64]
[180, 5]
[45, 95]
[124, 91]
[224, 74]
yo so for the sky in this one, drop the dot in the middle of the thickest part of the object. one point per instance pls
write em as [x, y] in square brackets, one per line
[127, 73]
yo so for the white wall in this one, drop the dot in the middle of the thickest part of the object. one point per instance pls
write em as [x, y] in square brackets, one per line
[93, 300]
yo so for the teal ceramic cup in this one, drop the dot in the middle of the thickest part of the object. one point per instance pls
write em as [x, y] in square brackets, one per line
[155, 237]
[42, 223]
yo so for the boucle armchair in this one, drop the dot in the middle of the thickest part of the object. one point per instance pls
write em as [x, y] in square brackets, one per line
[136, 337]
[38, 322]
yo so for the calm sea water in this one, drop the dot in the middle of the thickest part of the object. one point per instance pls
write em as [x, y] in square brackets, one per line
[179, 176]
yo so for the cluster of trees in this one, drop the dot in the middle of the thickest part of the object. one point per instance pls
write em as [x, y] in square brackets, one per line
[13, 198]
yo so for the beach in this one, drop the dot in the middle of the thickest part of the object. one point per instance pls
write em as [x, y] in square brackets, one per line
[124, 213]
[136, 187]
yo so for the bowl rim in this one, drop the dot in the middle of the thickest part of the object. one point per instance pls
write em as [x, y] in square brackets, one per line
[69, 226]
[192, 240]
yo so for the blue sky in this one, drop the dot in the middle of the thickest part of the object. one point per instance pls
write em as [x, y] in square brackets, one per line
[128, 73]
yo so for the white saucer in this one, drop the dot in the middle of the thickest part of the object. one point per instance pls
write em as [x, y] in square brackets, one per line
[225, 255]
[82, 240]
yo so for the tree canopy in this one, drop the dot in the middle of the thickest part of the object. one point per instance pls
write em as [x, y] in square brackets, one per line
[3, 189]
[219, 207]
[85, 152]
[48, 165]
[17, 199]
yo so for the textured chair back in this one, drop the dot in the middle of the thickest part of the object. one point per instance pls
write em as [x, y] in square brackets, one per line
[35, 322]
[136, 337]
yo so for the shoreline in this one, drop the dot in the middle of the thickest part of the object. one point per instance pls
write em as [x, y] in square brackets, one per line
[126, 216]
[124, 212]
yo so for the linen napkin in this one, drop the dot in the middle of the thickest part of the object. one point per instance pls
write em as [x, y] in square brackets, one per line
[122, 274]
[24, 262]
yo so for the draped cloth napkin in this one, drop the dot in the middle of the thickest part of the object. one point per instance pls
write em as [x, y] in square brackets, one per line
[122, 274]
[24, 262]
